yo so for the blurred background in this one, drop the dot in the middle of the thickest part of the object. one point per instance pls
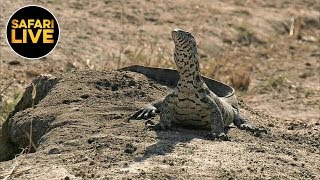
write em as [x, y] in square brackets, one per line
[268, 50]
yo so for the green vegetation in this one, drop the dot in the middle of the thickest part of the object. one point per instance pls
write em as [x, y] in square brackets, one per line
[7, 106]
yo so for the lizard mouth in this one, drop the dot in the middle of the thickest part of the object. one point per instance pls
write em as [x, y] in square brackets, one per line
[177, 36]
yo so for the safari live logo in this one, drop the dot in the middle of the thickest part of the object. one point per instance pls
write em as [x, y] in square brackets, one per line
[32, 32]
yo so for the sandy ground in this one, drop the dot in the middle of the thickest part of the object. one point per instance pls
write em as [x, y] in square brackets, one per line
[85, 135]
[235, 38]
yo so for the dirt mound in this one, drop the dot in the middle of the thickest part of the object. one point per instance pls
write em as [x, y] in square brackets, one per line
[80, 130]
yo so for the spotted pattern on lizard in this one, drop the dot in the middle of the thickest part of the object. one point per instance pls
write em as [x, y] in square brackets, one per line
[192, 103]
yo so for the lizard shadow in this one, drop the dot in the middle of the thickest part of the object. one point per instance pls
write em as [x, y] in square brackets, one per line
[169, 140]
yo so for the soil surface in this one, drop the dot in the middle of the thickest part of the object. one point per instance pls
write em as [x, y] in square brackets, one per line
[268, 50]
[85, 135]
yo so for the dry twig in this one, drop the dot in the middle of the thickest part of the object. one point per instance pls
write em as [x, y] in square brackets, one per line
[15, 166]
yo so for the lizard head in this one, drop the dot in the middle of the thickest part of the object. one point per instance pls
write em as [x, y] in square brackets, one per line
[185, 53]
[182, 38]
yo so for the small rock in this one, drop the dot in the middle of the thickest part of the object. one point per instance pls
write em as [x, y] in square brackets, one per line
[142, 173]
[303, 75]
[105, 178]
[115, 87]
[54, 151]
[270, 125]
[85, 96]
[90, 140]
[308, 38]
[14, 63]
[170, 177]
[131, 83]
[125, 165]
[293, 164]
[130, 149]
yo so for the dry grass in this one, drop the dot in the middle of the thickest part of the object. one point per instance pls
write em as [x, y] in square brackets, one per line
[247, 37]
[31, 147]
[240, 81]
[148, 53]
[16, 165]
[275, 84]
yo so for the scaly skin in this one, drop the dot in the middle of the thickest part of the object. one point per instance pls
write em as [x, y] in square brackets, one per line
[192, 103]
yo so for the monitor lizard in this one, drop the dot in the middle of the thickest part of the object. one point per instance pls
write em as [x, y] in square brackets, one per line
[192, 103]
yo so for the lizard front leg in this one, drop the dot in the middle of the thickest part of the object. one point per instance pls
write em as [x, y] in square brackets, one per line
[166, 114]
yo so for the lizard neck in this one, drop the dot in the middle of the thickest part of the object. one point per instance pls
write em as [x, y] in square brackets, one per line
[193, 82]
[188, 66]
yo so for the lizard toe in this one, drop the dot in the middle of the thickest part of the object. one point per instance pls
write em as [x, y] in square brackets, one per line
[135, 115]
[220, 136]
[256, 131]
[223, 137]
[149, 125]
[153, 113]
[247, 127]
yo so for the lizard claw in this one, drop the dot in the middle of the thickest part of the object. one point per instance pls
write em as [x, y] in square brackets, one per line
[150, 125]
[220, 136]
[256, 131]
[144, 113]
[247, 127]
